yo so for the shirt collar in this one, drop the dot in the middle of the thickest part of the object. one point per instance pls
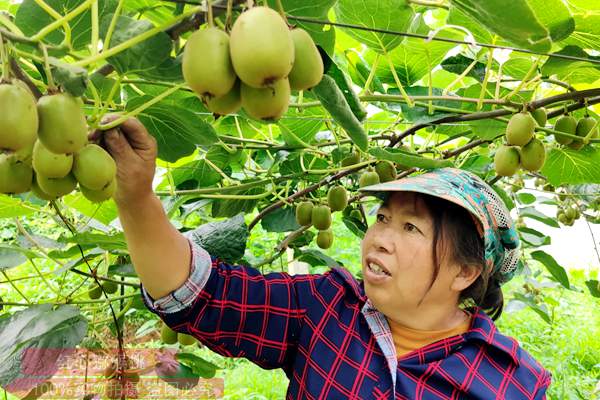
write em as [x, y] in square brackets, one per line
[482, 326]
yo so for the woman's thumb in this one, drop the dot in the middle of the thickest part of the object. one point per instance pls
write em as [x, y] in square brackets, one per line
[117, 145]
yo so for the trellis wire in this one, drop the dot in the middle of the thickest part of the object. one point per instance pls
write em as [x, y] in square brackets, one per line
[411, 35]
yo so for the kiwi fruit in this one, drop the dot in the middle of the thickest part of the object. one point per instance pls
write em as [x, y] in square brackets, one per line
[368, 178]
[15, 176]
[520, 128]
[19, 117]
[57, 186]
[321, 217]
[352, 159]
[206, 64]
[94, 291]
[325, 239]
[93, 167]
[506, 160]
[386, 170]
[229, 103]
[566, 124]
[304, 213]
[337, 198]
[98, 196]
[267, 104]
[308, 68]
[50, 164]
[533, 155]
[261, 47]
[63, 128]
[540, 115]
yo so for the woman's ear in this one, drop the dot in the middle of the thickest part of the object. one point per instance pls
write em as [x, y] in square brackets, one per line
[466, 275]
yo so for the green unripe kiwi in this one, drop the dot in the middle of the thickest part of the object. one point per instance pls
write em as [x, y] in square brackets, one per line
[95, 291]
[533, 155]
[570, 213]
[185, 340]
[584, 127]
[50, 164]
[19, 117]
[206, 64]
[63, 127]
[540, 116]
[57, 186]
[506, 160]
[229, 103]
[325, 239]
[520, 128]
[321, 217]
[368, 178]
[337, 198]
[94, 167]
[261, 47]
[168, 335]
[266, 104]
[15, 176]
[386, 171]
[304, 213]
[98, 196]
[35, 189]
[308, 64]
[110, 287]
[566, 124]
[352, 159]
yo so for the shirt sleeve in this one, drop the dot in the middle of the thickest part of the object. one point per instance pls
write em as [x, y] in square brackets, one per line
[546, 380]
[236, 311]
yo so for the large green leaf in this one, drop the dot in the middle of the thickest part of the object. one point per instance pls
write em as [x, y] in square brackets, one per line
[32, 341]
[554, 16]
[517, 24]
[11, 207]
[143, 56]
[553, 267]
[224, 239]
[531, 212]
[10, 258]
[587, 24]
[299, 127]
[199, 171]
[105, 212]
[572, 71]
[391, 15]
[31, 18]
[281, 220]
[565, 165]
[177, 130]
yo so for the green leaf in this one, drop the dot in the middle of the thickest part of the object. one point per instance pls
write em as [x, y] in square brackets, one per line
[592, 285]
[526, 198]
[199, 171]
[224, 239]
[558, 272]
[126, 270]
[31, 18]
[587, 24]
[142, 56]
[391, 15]
[531, 212]
[105, 212]
[408, 160]
[459, 63]
[102, 240]
[11, 207]
[315, 258]
[332, 99]
[299, 128]
[281, 220]
[519, 26]
[510, 204]
[177, 130]
[356, 226]
[198, 365]
[231, 207]
[10, 258]
[540, 310]
[72, 78]
[534, 238]
[35, 339]
[570, 70]
[555, 16]
[565, 165]
[419, 114]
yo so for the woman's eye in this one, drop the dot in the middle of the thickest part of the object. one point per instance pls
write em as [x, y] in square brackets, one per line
[410, 227]
[380, 217]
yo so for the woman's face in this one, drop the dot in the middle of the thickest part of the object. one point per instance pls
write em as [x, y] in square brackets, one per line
[400, 242]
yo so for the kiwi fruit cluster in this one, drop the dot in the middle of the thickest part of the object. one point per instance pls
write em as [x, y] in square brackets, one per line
[522, 148]
[45, 148]
[255, 66]
[567, 213]
[169, 336]
[95, 292]
[583, 127]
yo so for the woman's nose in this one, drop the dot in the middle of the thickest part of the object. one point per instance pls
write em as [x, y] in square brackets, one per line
[383, 241]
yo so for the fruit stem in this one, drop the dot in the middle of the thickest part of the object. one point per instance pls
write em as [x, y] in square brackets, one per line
[228, 15]
[4, 60]
[95, 28]
[209, 13]
[532, 69]
[367, 88]
[51, 85]
[460, 77]
[488, 69]
[141, 108]
[409, 102]
[282, 12]
[112, 25]
[587, 138]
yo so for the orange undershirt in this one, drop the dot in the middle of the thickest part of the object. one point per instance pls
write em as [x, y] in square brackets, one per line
[408, 339]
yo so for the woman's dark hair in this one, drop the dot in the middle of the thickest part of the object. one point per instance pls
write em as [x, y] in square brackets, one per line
[455, 232]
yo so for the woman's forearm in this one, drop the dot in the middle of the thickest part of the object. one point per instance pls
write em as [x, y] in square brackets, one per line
[160, 254]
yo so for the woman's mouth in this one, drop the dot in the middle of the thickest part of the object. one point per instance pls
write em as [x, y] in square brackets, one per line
[377, 269]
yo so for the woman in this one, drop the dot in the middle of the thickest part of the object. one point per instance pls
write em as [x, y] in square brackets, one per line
[419, 326]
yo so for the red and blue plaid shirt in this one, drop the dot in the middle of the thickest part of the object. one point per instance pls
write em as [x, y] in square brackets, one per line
[323, 331]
